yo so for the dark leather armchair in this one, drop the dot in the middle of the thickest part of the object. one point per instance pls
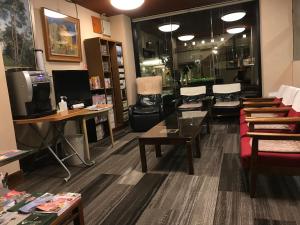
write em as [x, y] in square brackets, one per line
[148, 110]
[146, 113]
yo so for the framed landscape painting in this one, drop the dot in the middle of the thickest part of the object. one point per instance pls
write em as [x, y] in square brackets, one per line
[61, 36]
[16, 35]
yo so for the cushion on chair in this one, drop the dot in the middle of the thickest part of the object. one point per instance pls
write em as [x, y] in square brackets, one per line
[274, 128]
[227, 104]
[269, 158]
[294, 127]
[190, 105]
[146, 110]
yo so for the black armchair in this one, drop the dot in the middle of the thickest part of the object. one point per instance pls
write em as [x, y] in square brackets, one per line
[147, 112]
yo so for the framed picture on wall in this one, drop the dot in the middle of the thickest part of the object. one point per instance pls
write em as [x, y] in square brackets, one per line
[61, 36]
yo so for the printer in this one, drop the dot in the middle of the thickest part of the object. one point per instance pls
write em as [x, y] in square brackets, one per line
[29, 93]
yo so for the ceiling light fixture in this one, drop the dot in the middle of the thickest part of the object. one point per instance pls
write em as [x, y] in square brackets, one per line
[234, 16]
[203, 42]
[186, 37]
[185, 44]
[212, 40]
[193, 43]
[53, 14]
[127, 4]
[236, 30]
[222, 39]
[244, 35]
[169, 27]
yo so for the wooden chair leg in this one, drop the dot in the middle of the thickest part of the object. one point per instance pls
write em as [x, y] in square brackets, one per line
[253, 179]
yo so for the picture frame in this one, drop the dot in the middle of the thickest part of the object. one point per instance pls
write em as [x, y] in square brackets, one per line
[61, 36]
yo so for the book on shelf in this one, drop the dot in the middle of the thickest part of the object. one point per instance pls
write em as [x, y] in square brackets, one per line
[120, 60]
[121, 75]
[123, 94]
[105, 66]
[100, 133]
[119, 50]
[98, 99]
[109, 99]
[107, 83]
[125, 104]
[125, 116]
[104, 50]
[95, 82]
[121, 70]
[122, 84]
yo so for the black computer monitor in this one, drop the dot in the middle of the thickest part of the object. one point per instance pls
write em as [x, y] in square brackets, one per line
[74, 84]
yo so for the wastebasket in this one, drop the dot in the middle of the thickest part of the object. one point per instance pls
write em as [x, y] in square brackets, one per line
[76, 141]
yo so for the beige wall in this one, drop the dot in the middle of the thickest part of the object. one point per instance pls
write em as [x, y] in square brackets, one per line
[68, 9]
[276, 43]
[296, 73]
[7, 133]
[121, 31]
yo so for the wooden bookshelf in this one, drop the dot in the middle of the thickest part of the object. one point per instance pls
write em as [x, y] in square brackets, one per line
[102, 57]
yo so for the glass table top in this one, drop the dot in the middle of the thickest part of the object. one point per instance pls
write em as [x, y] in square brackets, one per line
[185, 124]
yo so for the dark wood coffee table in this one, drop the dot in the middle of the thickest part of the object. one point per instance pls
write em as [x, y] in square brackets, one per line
[179, 128]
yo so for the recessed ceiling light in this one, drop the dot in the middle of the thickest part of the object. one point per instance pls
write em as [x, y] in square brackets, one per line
[169, 27]
[185, 44]
[230, 17]
[215, 51]
[244, 35]
[193, 43]
[222, 39]
[235, 30]
[215, 47]
[203, 42]
[186, 37]
[53, 14]
[126, 4]
[212, 40]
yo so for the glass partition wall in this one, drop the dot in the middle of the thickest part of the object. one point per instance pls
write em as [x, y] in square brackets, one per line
[202, 48]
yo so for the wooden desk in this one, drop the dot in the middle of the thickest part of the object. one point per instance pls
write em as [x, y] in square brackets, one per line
[83, 115]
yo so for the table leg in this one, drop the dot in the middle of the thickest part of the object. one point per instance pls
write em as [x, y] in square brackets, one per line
[86, 140]
[158, 150]
[207, 126]
[61, 163]
[79, 220]
[198, 148]
[189, 153]
[110, 130]
[143, 157]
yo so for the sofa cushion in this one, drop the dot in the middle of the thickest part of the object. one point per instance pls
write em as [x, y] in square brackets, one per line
[190, 105]
[274, 128]
[268, 158]
[146, 110]
[293, 113]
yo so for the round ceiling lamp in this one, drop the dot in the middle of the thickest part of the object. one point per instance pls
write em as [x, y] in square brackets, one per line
[186, 37]
[169, 27]
[127, 4]
[234, 16]
[236, 30]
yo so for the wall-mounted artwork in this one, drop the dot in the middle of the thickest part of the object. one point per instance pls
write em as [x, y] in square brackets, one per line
[61, 37]
[16, 37]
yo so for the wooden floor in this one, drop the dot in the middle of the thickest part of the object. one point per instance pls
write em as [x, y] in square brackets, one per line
[115, 192]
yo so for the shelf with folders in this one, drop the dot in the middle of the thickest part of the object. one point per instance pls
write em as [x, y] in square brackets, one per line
[103, 62]
[119, 81]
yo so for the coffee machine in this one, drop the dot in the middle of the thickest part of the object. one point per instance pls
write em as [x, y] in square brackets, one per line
[29, 93]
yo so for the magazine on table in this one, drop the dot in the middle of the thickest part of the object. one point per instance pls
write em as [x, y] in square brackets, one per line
[59, 203]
